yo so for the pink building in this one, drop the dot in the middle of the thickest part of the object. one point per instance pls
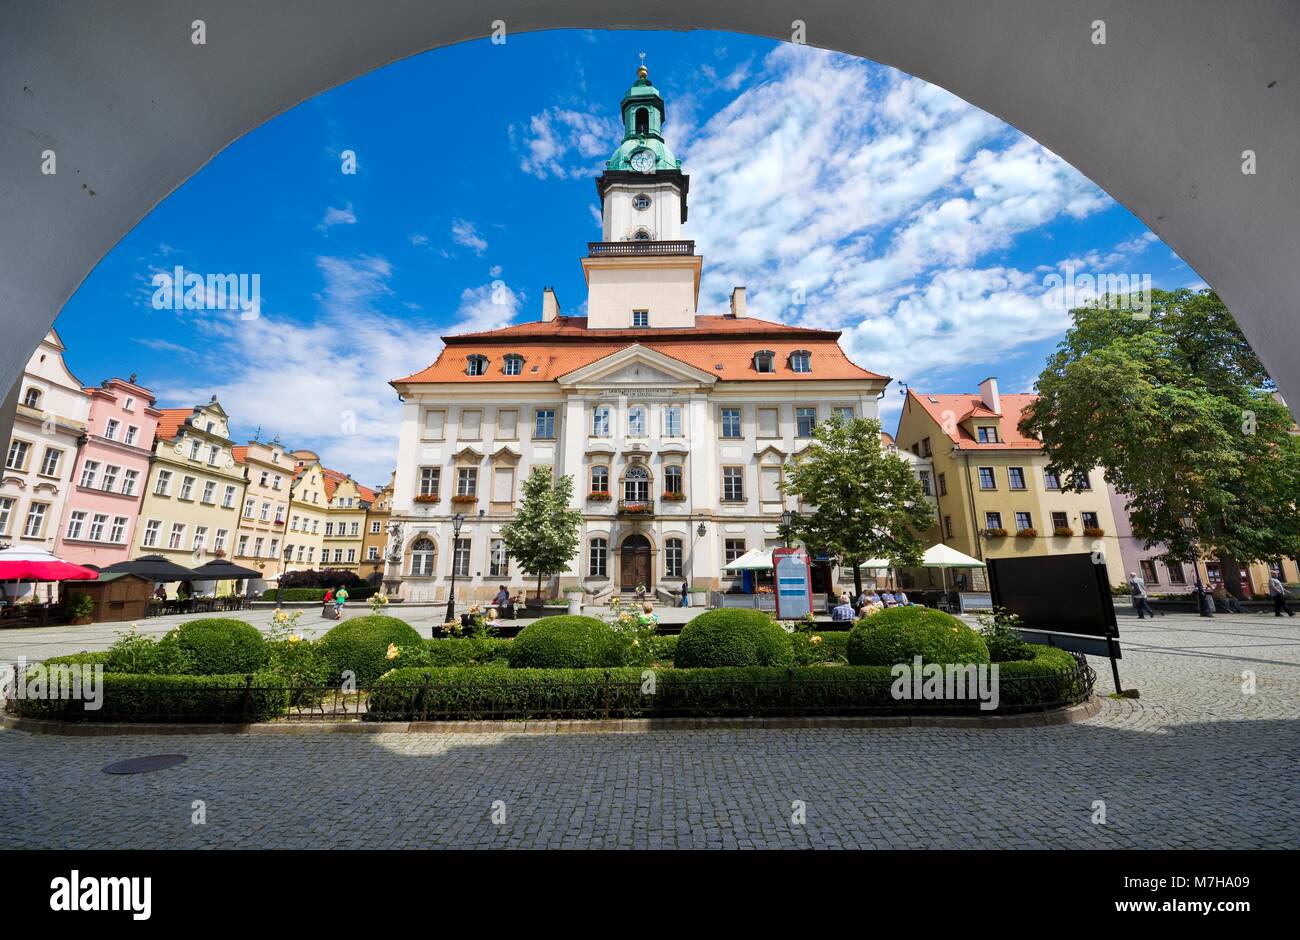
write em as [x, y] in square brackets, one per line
[112, 469]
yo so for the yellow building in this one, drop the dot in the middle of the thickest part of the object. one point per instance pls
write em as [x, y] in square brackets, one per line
[191, 505]
[263, 516]
[375, 542]
[345, 520]
[308, 509]
[994, 496]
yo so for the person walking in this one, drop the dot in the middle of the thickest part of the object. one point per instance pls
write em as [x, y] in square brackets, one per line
[1137, 589]
[685, 601]
[1277, 590]
[340, 598]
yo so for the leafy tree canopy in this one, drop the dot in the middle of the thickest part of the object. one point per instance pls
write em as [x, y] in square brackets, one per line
[1180, 413]
[543, 538]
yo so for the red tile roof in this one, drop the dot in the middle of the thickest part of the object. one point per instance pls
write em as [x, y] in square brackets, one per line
[171, 421]
[240, 453]
[951, 410]
[721, 346]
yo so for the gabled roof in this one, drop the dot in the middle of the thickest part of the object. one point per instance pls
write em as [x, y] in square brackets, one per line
[952, 410]
[721, 346]
[171, 421]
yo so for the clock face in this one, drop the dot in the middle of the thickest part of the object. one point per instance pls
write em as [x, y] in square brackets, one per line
[643, 161]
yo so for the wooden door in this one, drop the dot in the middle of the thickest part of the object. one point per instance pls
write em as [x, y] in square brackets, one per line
[635, 565]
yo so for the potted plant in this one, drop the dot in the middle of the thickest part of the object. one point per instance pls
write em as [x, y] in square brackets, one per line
[80, 607]
[1063, 531]
[994, 533]
[1027, 534]
[427, 498]
[1094, 533]
[671, 496]
[464, 499]
[699, 596]
[599, 496]
[574, 596]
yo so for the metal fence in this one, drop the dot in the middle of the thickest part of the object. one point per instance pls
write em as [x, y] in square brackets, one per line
[501, 695]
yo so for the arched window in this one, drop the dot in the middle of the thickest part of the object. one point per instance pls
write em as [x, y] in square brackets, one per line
[641, 235]
[514, 365]
[32, 398]
[673, 558]
[636, 423]
[801, 361]
[765, 361]
[600, 480]
[476, 365]
[642, 121]
[422, 558]
[636, 484]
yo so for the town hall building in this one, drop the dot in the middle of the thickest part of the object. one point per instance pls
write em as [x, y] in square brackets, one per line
[674, 423]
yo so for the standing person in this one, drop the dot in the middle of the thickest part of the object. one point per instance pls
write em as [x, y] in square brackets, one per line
[1204, 600]
[1277, 590]
[327, 605]
[685, 602]
[505, 606]
[340, 598]
[1137, 589]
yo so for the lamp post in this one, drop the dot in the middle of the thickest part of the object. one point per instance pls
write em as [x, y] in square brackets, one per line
[787, 518]
[457, 521]
[1189, 527]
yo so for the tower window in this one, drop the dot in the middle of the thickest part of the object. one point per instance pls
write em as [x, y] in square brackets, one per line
[642, 121]
[801, 361]
[476, 365]
[641, 201]
[640, 317]
[514, 365]
[765, 361]
[641, 235]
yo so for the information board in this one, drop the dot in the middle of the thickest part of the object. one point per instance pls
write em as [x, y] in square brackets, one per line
[792, 574]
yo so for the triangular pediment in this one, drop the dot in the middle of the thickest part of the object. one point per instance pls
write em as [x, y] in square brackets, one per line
[637, 366]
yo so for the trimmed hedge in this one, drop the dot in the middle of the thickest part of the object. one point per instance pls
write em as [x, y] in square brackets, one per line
[361, 645]
[732, 637]
[900, 634]
[833, 647]
[130, 697]
[566, 642]
[214, 646]
[318, 594]
[454, 651]
[1052, 678]
[84, 658]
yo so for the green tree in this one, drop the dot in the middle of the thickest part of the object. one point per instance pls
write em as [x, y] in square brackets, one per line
[543, 537]
[867, 502]
[1180, 413]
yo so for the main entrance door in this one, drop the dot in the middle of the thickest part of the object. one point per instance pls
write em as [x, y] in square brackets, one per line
[635, 565]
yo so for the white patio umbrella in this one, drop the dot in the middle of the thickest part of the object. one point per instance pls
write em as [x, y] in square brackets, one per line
[942, 557]
[880, 564]
[756, 559]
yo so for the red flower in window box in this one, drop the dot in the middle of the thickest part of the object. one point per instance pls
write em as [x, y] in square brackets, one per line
[1094, 533]
[995, 533]
[599, 496]
[1027, 534]
[464, 499]
[670, 497]
[1064, 531]
[427, 498]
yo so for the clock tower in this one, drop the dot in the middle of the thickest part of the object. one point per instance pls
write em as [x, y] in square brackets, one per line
[641, 273]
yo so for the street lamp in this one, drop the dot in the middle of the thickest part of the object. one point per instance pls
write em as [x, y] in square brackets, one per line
[1189, 528]
[787, 518]
[457, 521]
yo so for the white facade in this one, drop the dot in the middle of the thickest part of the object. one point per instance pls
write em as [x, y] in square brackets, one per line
[40, 456]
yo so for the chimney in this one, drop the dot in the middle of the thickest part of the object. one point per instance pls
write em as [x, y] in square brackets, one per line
[550, 306]
[738, 302]
[989, 395]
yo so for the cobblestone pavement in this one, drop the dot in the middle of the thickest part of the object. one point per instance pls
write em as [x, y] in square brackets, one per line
[1194, 763]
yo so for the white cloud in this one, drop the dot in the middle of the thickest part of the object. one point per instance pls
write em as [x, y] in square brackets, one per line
[333, 216]
[494, 271]
[564, 143]
[486, 307]
[464, 233]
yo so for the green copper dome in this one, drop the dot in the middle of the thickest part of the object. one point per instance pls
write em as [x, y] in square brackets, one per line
[643, 121]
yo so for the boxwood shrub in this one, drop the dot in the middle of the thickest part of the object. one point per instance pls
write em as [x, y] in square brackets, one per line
[361, 645]
[566, 642]
[219, 646]
[130, 697]
[900, 634]
[830, 646]
[732, 637]
[454, 651]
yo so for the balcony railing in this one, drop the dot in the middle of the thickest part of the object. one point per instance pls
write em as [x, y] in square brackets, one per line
[605, 249]
[636, 507]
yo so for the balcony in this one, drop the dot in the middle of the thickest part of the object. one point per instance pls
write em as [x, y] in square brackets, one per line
[628, 248]
[636, 507]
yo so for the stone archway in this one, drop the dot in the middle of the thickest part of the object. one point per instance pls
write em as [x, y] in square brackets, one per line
[1160, 115]
[634, 563]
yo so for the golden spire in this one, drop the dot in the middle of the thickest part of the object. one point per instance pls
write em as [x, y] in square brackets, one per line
[642, 72]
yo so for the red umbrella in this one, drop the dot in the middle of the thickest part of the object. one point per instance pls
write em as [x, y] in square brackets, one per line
[28, 564]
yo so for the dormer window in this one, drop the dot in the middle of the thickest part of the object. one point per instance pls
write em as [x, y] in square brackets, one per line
[801, 361]
[765, 361]
[514, 365]
[987, 434]
[476, 365]
[640, 317]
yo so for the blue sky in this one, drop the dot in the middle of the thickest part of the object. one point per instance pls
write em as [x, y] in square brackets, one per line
[842, 193]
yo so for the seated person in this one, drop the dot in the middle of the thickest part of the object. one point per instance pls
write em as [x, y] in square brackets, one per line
[873, 598]
[843, 611]
[901, 599]
[888, 600]
[1227, 603]
[648, 617]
